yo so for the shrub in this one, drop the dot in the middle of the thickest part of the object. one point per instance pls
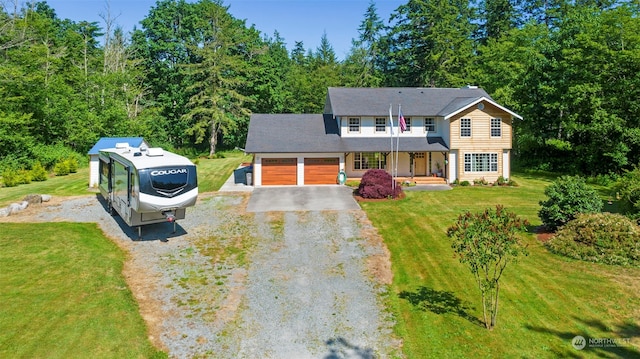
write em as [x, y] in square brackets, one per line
[61, 168]
[24, 176]
[73, 164]
[377, 184]
[602, 237]
[38, 173]
[10, 177]
[465, 183]
[568, 197]
[480, 181]
[50, 155]
[627, 190]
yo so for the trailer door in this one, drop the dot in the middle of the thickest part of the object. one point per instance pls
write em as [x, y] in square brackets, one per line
[121, 192]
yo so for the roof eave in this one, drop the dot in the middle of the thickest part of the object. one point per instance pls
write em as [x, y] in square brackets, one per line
[448, 116]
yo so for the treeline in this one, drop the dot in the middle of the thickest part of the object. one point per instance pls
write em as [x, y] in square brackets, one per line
[189, 78]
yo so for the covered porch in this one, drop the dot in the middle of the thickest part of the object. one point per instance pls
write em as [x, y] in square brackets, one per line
[418, 158]
[414, 167]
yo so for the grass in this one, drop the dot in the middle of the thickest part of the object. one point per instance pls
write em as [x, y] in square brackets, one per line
[212, 173]
[546, 299]
[63, 295]
[73, 184]
[61, 285]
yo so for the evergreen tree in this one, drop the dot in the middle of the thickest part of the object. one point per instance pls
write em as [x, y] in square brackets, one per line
[216, 102]
[430, 44]
[360, 67]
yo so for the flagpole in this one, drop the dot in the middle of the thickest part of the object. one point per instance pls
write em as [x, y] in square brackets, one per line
[393, 182]
[398, 139]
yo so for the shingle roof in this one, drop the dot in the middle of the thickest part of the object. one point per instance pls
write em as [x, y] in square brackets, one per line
[292, 133]
[342, 101]
[110, 142]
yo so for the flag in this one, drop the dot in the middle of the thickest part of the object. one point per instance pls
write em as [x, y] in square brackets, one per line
[401, 122]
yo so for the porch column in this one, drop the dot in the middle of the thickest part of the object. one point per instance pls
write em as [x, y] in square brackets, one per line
[446, 162]
[412, 156]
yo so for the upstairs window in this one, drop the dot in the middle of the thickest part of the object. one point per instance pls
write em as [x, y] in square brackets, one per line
[354, 124]
[496, 127]
[465, 127]
[381, 125]
[429, 125]
[407, 121]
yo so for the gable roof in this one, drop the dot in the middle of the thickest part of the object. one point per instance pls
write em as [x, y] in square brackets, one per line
[460, 104]
[415, 101]
[293, 133]
[110, 142]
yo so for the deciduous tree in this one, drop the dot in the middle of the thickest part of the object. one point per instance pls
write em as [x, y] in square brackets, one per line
[487, 242]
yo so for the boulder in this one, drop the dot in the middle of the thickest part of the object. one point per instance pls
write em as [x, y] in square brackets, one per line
[46, 197]
[17, 207]
[4, 212]
[33, 199]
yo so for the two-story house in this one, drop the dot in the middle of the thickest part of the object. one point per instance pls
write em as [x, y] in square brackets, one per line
[453, 133]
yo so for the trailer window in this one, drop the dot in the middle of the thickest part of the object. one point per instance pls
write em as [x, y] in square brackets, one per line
[104, 172]
[167, 181]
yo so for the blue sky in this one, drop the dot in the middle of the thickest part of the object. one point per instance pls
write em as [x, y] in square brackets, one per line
[295, 20]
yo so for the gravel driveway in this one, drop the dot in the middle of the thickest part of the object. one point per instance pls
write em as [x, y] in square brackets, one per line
[232, 284]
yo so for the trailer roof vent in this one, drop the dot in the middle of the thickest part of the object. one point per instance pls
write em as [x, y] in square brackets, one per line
[155, 152]
[122, 145]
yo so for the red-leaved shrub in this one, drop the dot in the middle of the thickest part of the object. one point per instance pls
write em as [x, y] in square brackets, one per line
[377, 184]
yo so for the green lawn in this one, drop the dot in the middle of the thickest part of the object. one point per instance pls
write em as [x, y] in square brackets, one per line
[546, 300]
[212, 173]
[73, 184]
[63, 295]
[62, 292]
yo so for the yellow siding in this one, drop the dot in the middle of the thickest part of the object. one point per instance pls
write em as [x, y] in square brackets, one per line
[481, 140]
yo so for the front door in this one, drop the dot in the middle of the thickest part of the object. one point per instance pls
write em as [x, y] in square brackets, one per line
[421, 164]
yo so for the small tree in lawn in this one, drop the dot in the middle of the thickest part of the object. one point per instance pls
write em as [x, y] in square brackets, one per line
[487, 242]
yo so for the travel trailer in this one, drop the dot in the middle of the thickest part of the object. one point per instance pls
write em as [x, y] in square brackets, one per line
[147, 185]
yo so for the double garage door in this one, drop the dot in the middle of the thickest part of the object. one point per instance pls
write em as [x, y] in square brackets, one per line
[283, 171]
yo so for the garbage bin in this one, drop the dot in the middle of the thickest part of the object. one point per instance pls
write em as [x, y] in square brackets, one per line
[249, 178]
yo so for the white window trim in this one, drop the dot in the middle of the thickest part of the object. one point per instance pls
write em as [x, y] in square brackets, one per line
[469, 161]
[433, 123]
[349, 124]
[470, 128]
[498, 128]
[380, 122]
[357, 157]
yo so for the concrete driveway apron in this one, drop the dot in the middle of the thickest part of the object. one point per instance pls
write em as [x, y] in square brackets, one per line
[298, 198]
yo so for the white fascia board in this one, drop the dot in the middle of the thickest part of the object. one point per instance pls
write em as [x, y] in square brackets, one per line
[448, 116]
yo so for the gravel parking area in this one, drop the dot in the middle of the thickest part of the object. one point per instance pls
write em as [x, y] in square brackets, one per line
[232, 284]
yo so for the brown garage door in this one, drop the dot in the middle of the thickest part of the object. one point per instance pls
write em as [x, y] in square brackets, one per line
[321, 170]
[279, 171]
